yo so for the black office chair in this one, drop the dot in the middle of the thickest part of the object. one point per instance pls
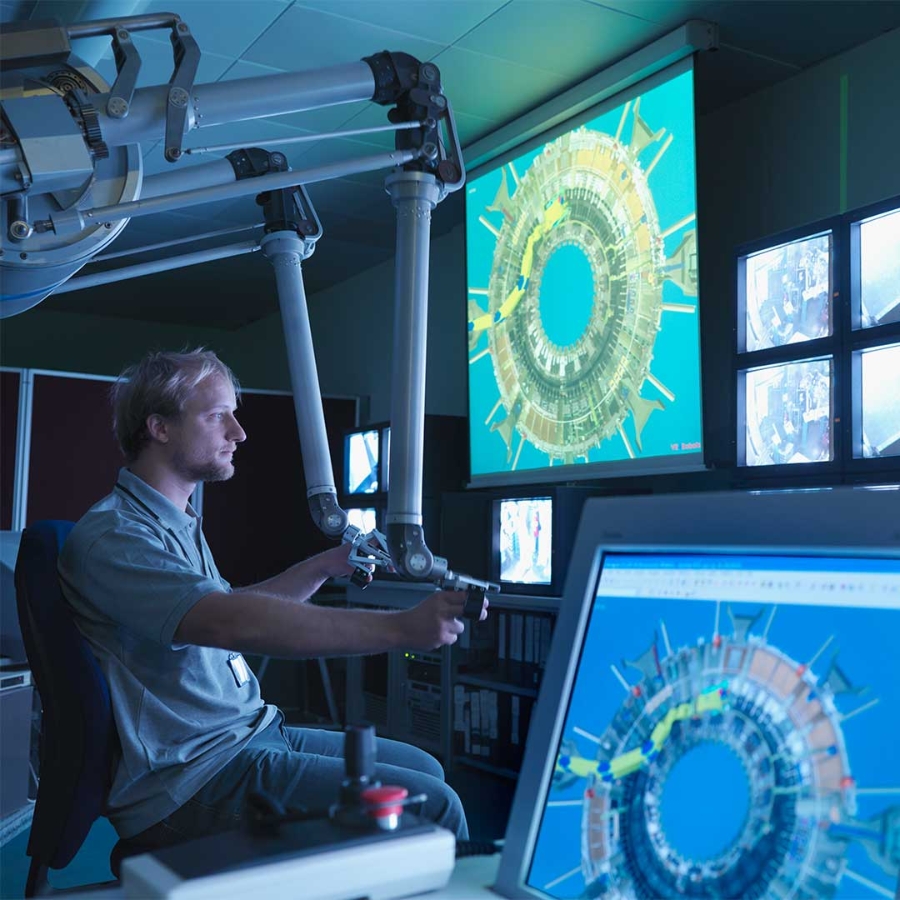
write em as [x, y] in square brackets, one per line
[78, 735]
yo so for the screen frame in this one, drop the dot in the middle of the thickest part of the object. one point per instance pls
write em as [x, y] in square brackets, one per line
[523, 587]
[691, 461]
[838, 522]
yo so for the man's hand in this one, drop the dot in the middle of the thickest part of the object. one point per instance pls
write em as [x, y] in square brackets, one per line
[334, 562]
[436, 621]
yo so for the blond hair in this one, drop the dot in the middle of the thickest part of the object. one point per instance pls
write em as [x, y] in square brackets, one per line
[159, 384]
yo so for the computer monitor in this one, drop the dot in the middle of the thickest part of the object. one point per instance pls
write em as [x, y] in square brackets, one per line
[365, 518]
[362, 454]
[720, 710]
[525, 539]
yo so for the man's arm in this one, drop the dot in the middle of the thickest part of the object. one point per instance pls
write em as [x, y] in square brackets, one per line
[303, 579]
[256, 622]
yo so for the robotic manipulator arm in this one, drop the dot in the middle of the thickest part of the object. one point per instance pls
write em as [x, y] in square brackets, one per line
[71, 178]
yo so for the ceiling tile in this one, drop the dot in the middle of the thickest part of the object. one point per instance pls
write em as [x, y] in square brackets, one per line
[574, 39]
[443, 21]
[492, 88]
[307, 39]
[670, 13]
[224, 27]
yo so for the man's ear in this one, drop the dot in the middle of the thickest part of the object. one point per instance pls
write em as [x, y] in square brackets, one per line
[158, 428]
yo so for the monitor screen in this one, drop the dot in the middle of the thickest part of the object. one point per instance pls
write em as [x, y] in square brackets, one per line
[718, 714]
[364, 518]
[361, 456]
[583, 326]
[526, 540]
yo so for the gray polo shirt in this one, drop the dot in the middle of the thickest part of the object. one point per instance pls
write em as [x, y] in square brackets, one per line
[131, 568]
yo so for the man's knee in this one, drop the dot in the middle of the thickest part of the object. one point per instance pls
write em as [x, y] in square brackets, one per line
[447, 810]
[406, 756]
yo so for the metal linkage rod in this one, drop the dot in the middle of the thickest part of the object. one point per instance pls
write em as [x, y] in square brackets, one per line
[157, 265]
[277, 142]
[77, 220]
[175, 242]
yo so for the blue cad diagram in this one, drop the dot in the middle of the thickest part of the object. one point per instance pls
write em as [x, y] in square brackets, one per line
[724, 750]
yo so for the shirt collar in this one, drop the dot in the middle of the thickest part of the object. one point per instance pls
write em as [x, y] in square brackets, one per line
[168, 513]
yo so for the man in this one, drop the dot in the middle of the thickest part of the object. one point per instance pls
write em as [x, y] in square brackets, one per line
[196, 737]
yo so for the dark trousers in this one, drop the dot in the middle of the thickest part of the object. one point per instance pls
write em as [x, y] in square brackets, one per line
[303, 768]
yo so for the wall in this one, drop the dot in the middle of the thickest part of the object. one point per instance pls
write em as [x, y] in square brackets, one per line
[772, 162]
[96, 345]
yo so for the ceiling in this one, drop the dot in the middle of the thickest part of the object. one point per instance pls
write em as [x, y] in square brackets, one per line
[498, 59]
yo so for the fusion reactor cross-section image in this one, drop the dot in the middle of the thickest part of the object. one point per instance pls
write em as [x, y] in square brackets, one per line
[582, 310]
[732, 767]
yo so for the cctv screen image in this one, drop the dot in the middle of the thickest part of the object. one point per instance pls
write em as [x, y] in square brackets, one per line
[582, 294]
[526, 540]
[730, 733]
[362, 462]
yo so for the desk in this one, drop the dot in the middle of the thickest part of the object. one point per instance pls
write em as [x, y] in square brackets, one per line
[472, 879]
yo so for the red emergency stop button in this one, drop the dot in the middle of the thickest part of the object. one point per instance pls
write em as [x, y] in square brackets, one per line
[385, 804]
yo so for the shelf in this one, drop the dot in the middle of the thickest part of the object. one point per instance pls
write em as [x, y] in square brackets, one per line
[473, 763]
[522, 676]
[495, 684]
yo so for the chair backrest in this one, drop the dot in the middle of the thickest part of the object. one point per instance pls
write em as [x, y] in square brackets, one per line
[77, 729]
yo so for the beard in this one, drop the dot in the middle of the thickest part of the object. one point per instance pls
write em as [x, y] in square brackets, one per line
[203, 470]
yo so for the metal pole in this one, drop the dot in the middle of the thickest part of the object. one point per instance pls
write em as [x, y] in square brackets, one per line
[23, 450]
[414, 194]
[184, 178]
[286, 251]
[222, 102]
[157, 265]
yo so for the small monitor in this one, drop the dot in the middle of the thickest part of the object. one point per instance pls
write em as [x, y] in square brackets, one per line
[787, 411]
[362, 453]
[718, 703]
[364, 518]
[526, 540]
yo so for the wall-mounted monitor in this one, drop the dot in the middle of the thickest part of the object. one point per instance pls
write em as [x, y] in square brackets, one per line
[531, 538]
[582, 313]
[786, 411]
[365, 518]
[366, 460]
[784, 294]
[721, 688]
[362, 458]
[526, 540]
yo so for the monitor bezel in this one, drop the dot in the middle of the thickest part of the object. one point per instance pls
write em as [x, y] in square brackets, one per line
[842, 521]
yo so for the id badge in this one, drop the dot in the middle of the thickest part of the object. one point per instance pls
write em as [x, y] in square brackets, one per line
[239, 669]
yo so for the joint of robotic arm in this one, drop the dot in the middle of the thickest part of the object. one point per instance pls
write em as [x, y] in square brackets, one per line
[412, 558]
[394, 73]
[328, 516]
[424, 102]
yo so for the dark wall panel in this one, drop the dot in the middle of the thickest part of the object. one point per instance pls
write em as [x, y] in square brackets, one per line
[258, 523]
[9, 413]
[74, 457]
